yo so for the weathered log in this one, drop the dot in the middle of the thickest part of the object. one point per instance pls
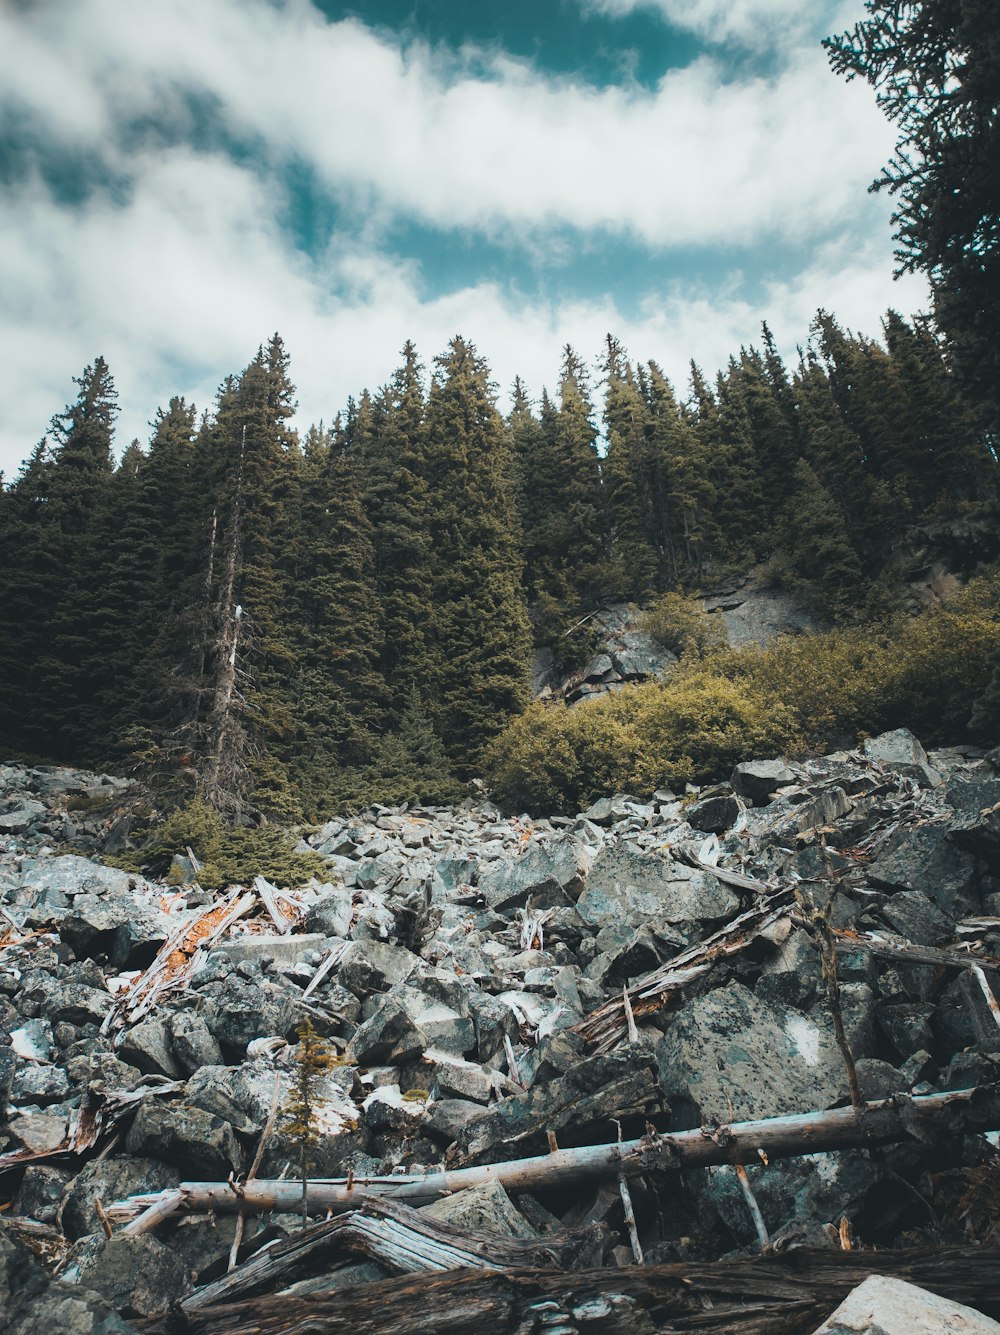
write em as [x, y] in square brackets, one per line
[956, 1112]
[402, 1239]
[789, 1294]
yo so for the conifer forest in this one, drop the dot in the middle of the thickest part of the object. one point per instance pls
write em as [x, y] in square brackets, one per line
[287, 621]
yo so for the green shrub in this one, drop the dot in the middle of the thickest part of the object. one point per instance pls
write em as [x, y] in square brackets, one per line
[800, 694]
[229, 856]
[682, 626]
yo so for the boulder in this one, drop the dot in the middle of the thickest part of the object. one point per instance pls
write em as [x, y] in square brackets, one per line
[715, 814]
[32, 1303]
[926, 859]
[548, 876]
[759, 780]
[199, 1143]
[138, 1276]
[485, 1209]
[882, 1305]
[108, 1180]
[629, 884]
[732, 1056]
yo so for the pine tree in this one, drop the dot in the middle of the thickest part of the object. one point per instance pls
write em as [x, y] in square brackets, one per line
[820, 553]
[52, 550]
[635, 560]
[478, 619]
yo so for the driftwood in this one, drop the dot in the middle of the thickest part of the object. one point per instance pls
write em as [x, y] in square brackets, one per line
[886, 1121]
[400, 1238]
[788, 1294]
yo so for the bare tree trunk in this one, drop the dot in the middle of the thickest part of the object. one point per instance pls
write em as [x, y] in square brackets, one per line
[878, 1123]
[225, 732]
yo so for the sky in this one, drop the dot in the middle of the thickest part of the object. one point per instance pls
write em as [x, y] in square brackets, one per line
[179, 179]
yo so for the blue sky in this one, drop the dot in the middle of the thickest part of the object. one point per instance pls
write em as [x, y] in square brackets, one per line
[181, 178]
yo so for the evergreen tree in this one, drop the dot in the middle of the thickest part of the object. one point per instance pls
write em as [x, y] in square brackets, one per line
[478, 619]
[634, 556]
[820, 553]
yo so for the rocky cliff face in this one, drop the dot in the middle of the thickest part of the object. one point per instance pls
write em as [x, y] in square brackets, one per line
[456, 960]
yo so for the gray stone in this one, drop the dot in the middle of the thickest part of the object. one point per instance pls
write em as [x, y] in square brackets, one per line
[196, 1141]
[147, 1047]
[925, 859]
[636, 655]
[20, 817]
[878, 1079]
[545, 875]
[74, 875]
[591, 1097]
[138, 1276]
[390, 1035]
[116, 923]
[627, 883]
[759, 780]
[485, 1209]
[447, 1119]
[108, 1180]
[333, 914]
[916, 919]
[39, 1132]
[245, 1011]
[731, 1056]
[883, 1305]
[31, 1303]
[273, 949]
[907, 1026]
[192, 1042]
[40, 1193]
[374, 966]
[39, 1084]
[898, 747]
[713, 815]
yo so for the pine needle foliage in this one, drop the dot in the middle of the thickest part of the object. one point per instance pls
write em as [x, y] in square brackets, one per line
[314, 1058]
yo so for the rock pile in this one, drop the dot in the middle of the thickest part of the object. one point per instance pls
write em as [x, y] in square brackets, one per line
[457, 961]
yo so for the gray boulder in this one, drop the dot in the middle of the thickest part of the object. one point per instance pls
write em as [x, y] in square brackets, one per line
[32, 1303]
[196, 1141]
[138, 1276]
[631, 885]
[759, 780]
[732, 1056]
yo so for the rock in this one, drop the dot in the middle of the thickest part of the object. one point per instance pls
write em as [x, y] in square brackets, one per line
[201, 1144]
[388, 1109]
[591, 1097]
[636, 655]
[446, 1119]
[548, 876]
[907, 1026]
[20, 817]
[926, 859]
[31, 1303]
[374, 966]
[40, 1193]
[244, 1011]
[108, 1180]
[147, 1046]
[759, 780]
[912, 915]
[273, 949]
[627, 883]
[138, 1276]
[882, 1305]
[899, 747]
[730, 1056]
[485, 1209]
[41, 1133]
[192, 1043]
[115, 923]
[878, 1079]
[39, 1084]
[389, 1035]
[713, 815]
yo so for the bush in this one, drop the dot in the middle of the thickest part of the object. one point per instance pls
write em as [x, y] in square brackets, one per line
[799, 694]
[683, 627]
[228, 856]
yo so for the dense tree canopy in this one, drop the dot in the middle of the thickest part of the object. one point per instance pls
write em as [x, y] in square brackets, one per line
[291, 623]
[935, 65]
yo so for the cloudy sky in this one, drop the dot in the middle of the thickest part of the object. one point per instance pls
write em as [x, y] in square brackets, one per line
[181, 178]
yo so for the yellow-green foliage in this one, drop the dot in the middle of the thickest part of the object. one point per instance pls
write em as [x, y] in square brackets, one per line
[800, 694]
[228, 856]
[682, 626]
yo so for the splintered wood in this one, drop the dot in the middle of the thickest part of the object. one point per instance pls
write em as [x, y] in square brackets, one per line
[175, 960]
[610, 1023]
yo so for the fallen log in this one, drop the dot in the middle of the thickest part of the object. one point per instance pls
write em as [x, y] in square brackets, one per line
[788, 1294]
[402, 1239]
[957, 1112]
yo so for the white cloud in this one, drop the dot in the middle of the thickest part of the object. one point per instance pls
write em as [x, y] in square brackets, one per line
[473, 141]
[756, 23]
[177, 287]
